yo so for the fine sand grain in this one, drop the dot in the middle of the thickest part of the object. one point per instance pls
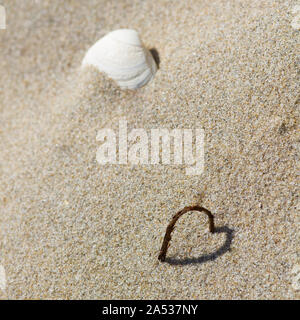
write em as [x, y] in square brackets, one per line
[73, 229]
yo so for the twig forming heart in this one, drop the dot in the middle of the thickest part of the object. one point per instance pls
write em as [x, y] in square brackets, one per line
[170, 227]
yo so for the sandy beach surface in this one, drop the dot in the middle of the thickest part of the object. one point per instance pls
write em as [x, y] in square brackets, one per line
[71, 228]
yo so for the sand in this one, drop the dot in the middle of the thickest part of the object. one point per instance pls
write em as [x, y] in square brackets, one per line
[71, 228]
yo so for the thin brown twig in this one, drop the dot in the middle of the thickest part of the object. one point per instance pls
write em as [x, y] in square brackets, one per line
[170, 227]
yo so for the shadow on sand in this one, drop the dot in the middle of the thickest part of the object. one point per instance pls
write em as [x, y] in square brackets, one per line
[155, 56]
[207, 257]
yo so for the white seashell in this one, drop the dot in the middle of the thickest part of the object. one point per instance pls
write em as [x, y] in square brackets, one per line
[296, 21]
[2, 17]
[122, 56]
[296, 9]
[296, 277]
[2, 278]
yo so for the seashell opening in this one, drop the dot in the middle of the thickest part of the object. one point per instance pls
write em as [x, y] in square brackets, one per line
[122, 56]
